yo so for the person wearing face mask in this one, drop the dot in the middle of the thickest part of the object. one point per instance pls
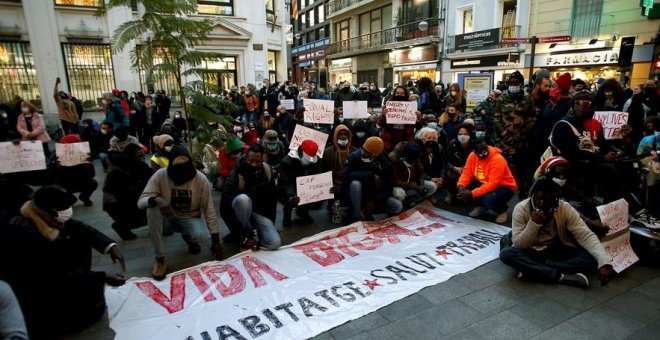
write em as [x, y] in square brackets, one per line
[76, 178]
[163, 106]
[457, 154]
[123, 186]
[369, 176]
[515, 122]
[163, 146]
[648, 150]
[432, 155]
[549, 242]
[376, 96]
[455, 96]
[396, 133]
[303, 161]
[411, 183]
[45, 236]
[176, 198]
[114, 112]
[274, 150]
[264, 123]
[238, 100]
[227, 157]
[7, 123]
[251, 136]
[486, 110]
[359, 132]
[578, 86]
[334, 159]
[450, 120]
[66, 109]
[487, 180]
[121, 139]
[249, 202]
[32, 127]
[251, 101]
[560, 103]
[364, 94]
[344, 94]
[284, 124]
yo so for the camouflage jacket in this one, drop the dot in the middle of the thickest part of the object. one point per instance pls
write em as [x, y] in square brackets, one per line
[514, 122]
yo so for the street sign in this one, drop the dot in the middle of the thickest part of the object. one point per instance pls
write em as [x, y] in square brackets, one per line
[556, 38]
[514, 40]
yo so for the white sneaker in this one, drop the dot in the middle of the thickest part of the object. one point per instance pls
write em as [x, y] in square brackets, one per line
[501, 218]
[477, 211]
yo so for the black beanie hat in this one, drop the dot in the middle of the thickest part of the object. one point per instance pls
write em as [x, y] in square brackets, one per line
[53, 197]
[179, 150]
[517, 75]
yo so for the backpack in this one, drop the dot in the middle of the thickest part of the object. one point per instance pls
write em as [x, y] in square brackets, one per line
[584, 142]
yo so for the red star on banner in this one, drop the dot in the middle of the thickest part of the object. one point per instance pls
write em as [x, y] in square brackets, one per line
[371, 283]
[442, 253]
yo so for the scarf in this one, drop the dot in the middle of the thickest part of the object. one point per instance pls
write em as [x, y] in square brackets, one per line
[42, 220]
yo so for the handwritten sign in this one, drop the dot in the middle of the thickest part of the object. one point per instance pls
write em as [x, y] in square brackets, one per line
[319, 111]
[355, 109]
[72, 154]
[621, 252]
[288, 104]
[612, 121]
[614, 215]
[401, 112]
[314, 188]
[301, 133]
[27, 156]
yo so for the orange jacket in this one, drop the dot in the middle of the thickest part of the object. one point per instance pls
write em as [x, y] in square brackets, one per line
[251, 103]
[491, 172]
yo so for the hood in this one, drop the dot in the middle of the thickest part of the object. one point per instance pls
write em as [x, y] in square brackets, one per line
[342, 127]
[492, 151]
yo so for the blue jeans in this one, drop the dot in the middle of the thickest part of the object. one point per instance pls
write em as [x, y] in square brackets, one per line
[496, 200]
[392, 206]
[191, 228]
[269, 238]
[401, 194]
[250, 116]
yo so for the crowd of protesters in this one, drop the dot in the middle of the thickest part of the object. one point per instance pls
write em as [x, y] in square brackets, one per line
[537, 139]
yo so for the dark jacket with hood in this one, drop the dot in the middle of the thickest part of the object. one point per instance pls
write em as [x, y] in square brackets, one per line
[125, 182]
[567, 144]
[290, 168]
[334, 159]
[342, 95]
[358, 170]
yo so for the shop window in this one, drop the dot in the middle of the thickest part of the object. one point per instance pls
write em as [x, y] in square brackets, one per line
[272, 66]
[221, 7]
[465, 20]
[270, 10]
[81, 3]
[585, 21]
[89, 71]
[18, 77]
[225, 74]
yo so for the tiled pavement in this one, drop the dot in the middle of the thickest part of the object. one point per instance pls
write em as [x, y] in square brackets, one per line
[486, 303]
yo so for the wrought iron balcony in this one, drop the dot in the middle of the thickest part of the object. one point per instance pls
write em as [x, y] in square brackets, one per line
[335, 6]
[505, 32]
[386, 39]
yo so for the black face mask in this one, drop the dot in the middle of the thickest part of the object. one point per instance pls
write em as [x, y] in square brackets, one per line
[182, 173]
[430, 144]
[649, 91]
[399, 98]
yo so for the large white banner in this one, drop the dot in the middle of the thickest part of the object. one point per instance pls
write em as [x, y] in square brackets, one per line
[309, 287]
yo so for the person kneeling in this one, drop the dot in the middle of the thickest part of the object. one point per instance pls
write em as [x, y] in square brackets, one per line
[541, 245]
[249, 201]
[411, 184]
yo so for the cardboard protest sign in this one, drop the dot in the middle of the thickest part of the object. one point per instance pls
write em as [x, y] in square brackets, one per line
[72, 154]
[612, 121]
[401, 112]
[620, 251]
[309, 287]
[314, 188]
[614, 215]
[301, 133]
[288, 104]
[27, 156]
[319, 111]
[355, 109]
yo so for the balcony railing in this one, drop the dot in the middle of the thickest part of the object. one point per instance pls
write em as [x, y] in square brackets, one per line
[335, 6]
[379, 40]
[505, 32]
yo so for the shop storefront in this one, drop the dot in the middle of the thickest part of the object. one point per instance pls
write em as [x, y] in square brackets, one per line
[499, 65]
[341, 70]
[414, 63]
[310, 64]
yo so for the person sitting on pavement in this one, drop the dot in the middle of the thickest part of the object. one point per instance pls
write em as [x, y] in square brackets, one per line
[99, 144]
[45, 243]
[457, 154]
[451, 120]
[176, 197]
[394, 133]
[334, 159]
[249, 201]
[303, 161]
[432, 156]
[273, 147]
[76, 178]
[542, 245]
[121, 138]
[411, 183]
[123, 186]
[370, 177]
[486, 179]
[163, 144]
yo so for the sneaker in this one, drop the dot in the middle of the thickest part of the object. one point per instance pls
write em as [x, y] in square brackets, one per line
[125, 234]
[160, 268]
[477, 211]
[501, 218]
[577, 280]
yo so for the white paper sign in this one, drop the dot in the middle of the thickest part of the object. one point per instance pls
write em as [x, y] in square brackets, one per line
[27, 156]
[611, 121]
[621, 252]
[288, 104]
[614, 215]
[306, 288]
[301, 133]
[354, 109]
[72, 154]
[401, 112]
[314, 188]
[319, 111]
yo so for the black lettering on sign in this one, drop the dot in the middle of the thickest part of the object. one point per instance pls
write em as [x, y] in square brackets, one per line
[398, 272]
[408, 267]
[325, 294]
[253, 325]
[307, 304]
[392, 281]
[286, 307]
[272, 318]
[225, 332]
[348, 297]
[350, 285]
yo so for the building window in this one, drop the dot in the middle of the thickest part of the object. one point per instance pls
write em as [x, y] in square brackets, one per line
[270, 10]
[226, 74]
[585, 22]
[321, 10]
[18, 77]
[272, 66]
[81, 3]
[342, 30]
[89, 71]
[464, 20]
[416, 10]
[221, 7]
[376, 20]
[312, 20]
[161, 80]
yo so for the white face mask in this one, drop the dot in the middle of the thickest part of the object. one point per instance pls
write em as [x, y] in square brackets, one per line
[342, 142]
[514, 89]
[4, 115]
[360, 134]
[480, 134]
[463, 138]
[559, 181]
[25, 109]
[306, 160]
[64, 215]
[168, 148]
[453, 93]
[367, 160]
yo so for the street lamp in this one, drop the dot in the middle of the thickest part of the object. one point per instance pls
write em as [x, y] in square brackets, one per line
[423, 26]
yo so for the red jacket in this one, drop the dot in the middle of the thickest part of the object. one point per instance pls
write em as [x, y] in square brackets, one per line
[227, 162]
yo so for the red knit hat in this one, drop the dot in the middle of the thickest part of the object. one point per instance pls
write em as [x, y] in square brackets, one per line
[70, 139]
[309, 147]
[564, 82]
[553, 162]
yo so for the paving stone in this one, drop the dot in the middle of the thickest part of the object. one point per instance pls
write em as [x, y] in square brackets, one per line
[489, 300]
[481, 277]
[505, 325]
[641, 273]
[405, 307]
[650, 332]
[606, 323]
[584, 299]
[445, 291]
[565, 330]
[637, 306]
[408, 328]
[465, 333]
[323, 336]
[450, 316]
[358, 326]
[544, 312]
[650, 288]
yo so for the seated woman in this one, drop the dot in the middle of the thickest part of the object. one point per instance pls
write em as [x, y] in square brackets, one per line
[457, 154]
[76, 178]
